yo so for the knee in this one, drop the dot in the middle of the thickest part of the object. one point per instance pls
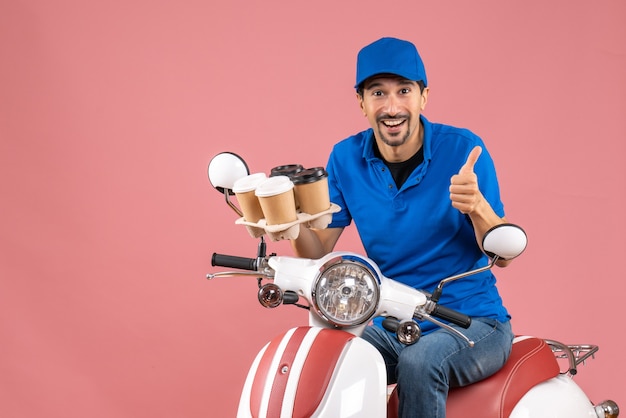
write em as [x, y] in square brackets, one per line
[415, 365]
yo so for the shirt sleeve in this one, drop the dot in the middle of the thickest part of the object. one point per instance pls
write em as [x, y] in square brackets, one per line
[342, 218]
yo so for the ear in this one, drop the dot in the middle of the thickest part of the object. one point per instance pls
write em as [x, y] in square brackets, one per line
[424, 99]
[361, 104]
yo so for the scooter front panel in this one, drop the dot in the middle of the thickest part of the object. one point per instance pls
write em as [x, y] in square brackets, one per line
[254, 399]
[317, 370]
[276, 366]
[294, 373]
[358, 387]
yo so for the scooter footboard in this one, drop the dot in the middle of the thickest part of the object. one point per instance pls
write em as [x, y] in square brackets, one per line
[313, 372]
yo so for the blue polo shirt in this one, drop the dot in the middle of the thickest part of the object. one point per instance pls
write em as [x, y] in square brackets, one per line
[413, 233]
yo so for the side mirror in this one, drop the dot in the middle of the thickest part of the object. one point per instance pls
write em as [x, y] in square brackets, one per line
[507, 241]
[225, 169]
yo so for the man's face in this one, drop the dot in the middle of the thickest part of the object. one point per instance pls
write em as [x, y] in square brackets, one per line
[392, 106]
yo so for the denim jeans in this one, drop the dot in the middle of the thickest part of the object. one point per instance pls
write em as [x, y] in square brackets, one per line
[439, 361]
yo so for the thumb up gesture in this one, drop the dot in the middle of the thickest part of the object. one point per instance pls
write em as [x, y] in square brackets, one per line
[464, 192]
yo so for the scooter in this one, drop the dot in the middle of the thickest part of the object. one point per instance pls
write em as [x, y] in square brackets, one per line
[326, 370]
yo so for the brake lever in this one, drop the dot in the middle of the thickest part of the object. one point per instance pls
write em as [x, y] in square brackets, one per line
[210, 276]
[424, 316]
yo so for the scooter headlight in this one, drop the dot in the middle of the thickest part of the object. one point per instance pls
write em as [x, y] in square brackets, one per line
[346, 291]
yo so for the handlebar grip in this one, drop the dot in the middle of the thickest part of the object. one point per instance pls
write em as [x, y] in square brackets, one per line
[242, 263]
[391, 324]
[450, 315]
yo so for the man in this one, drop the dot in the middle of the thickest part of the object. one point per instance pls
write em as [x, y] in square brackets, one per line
[422, 195]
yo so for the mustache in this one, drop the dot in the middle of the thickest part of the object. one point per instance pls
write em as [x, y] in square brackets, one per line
[386, 116]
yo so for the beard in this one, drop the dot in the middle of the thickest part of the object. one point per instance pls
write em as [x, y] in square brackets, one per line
[394, 139]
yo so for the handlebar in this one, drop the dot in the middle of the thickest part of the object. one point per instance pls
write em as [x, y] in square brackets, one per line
[431, 311]
[231, 261]
[440, 312]
[450, 315]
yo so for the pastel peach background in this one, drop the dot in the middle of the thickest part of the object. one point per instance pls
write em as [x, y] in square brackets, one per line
[111, 110]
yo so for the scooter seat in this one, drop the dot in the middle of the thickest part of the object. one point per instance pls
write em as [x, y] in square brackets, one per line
[530, 363]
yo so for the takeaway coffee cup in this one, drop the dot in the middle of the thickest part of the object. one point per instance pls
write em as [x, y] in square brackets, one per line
[244, 189]
[277, 200]
[288, 170]
[311, 190]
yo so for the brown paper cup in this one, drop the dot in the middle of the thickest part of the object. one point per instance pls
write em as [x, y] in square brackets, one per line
[311, 189]
[244, 189]
[277, 200]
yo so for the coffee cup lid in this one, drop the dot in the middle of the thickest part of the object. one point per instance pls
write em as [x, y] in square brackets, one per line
[248, 183]
[310, 175]
[286, 170]
[273, 186]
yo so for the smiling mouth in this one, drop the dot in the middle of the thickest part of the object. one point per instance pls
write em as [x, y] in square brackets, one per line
[393, 123]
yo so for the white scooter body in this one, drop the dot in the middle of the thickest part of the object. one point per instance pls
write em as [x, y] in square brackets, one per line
[348, 380]
[319, 371]
[559, 397]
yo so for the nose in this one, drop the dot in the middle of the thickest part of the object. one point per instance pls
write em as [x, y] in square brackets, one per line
[392, 105]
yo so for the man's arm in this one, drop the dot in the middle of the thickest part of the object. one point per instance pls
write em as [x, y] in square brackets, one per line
[315, 243]
[467, 198]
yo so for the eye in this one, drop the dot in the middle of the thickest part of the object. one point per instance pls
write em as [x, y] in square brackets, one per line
[377, 93]
[405, 90]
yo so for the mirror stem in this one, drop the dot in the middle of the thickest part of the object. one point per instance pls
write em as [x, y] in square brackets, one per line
[437, 292]
[229, 203]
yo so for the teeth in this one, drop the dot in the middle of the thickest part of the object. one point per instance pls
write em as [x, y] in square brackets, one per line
[392, 122]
